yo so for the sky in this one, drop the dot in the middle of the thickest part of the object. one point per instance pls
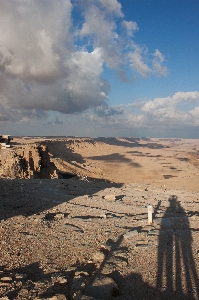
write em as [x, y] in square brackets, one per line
[119, 68]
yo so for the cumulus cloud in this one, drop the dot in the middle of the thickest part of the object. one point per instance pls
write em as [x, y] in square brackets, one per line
[159, 105]
[49, 63]
[159, 113]
[30, 47]
[166, 112]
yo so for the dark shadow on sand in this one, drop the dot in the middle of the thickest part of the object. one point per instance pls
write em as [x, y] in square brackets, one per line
[176, 266]
[133, 142]
[28, 197]
[116, 158]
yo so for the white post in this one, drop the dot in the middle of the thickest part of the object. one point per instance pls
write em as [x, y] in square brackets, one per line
[150, 214]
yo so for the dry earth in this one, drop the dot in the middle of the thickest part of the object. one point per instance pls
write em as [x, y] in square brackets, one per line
[88, 237]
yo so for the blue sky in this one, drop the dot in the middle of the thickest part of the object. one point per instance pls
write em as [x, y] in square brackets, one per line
[99, 68]
[173, 28]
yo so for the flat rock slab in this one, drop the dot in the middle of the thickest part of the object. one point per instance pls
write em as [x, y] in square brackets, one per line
[110, 197]
[102, 288]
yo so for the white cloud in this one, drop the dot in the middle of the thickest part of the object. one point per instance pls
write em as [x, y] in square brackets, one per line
[102, 29]
[156, 114]
[112, 6]
[48, 65]
[158, 60]
[130, 27]
[195, 115]
[30, 34]
[159, 104]
[137, 62]
[186, 97]
[165, 111]
[140, 62]
[157, 117]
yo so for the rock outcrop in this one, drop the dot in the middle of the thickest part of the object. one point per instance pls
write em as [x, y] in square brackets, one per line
[27, 161]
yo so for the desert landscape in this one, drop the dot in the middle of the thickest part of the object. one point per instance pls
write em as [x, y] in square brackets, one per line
[74, 218]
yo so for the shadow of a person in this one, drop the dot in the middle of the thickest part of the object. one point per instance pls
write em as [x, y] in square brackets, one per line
[176, 268]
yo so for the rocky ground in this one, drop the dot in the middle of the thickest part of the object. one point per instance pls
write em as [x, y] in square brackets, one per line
[88, 237]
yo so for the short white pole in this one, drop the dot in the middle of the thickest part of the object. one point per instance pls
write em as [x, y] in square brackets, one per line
[150, 214]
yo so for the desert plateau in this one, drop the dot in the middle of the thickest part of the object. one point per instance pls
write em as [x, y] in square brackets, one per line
[74, 218]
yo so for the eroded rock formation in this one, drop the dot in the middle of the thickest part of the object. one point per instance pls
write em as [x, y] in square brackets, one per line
[27, 161]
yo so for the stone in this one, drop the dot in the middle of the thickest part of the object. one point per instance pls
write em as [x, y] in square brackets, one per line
[58, 216]
[81, 273]
[58, 297]
[109, 197]
[103, 216]
[102, 288]
[4, 284]
[20, 276]
[6, 279]
[98, 257]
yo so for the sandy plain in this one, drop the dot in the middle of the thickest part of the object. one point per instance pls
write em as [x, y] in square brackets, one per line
[88, 237]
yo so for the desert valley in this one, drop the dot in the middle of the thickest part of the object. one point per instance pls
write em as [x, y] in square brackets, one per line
[74, 218]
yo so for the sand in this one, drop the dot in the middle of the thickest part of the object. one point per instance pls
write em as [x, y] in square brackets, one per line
[65, 238]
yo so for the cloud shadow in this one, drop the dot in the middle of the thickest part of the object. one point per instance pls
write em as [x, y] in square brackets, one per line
[116, 158]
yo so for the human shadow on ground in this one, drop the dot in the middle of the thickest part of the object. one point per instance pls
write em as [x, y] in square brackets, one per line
[177, 276]
[31, 281]
[176, 266]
